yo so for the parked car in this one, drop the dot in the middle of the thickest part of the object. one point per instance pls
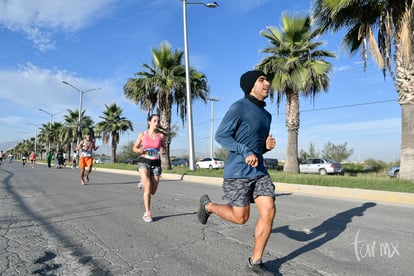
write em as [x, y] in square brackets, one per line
[321, 166]
[131, 161]
[270, 163]
[180, 162]
[394, 171]
[209, 163]
[101, 160]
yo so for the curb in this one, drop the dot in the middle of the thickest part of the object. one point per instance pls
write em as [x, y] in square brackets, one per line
[352, 193]
[128, 172]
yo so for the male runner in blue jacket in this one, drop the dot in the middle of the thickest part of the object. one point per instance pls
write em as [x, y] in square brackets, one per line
[244, 132]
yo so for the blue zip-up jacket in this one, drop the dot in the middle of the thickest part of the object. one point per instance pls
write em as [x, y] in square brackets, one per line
[243, 131]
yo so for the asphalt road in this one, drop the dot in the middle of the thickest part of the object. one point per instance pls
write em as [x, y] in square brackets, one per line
[51, 225]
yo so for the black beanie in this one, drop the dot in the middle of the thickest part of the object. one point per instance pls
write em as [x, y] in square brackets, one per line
[248, 79]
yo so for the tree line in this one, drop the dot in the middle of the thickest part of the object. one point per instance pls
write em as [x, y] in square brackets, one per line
[64, 135]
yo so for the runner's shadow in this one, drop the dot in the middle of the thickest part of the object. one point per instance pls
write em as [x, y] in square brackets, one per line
[112, 183]
[325, 232]
[170, 216]
[283, 194]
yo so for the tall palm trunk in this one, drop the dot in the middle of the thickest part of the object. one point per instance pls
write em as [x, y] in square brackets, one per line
[165, 123]
[292, 125]
[68, 147]
[113, 148]
[407, 142]
[404, 81]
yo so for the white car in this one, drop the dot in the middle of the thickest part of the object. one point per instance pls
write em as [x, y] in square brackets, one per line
[320, 166]
[210, 163]
[101, 161]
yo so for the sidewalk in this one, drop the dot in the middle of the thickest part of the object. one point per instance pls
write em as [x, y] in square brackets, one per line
[359, 194]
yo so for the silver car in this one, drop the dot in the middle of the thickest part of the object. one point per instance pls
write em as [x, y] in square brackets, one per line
[321, 166]
[394, 171]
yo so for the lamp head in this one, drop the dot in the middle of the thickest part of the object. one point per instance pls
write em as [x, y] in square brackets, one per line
[208, 5]
[212, 5]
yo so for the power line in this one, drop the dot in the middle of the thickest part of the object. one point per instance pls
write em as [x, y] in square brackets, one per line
[318, 109]
[342, 106]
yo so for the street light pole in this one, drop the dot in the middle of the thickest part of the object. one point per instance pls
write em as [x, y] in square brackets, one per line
[35, 145]
[212, 100]
[188, 82]
[50, 121]
[81, 92]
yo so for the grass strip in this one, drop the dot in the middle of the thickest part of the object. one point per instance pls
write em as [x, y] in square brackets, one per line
[370, 181]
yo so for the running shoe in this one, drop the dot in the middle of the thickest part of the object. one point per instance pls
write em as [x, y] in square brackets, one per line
[140, 185]
[147, 218]
[202, 213]
[257, 269]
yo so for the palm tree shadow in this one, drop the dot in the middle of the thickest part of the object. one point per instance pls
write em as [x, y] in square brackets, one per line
[325, 232]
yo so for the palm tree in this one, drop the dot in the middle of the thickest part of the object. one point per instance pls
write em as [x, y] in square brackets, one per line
[295, 67]
[45, 135]
[113, 125]
[162, 85]
[26, 145]
[393, 22]
[69, 132]
[51, 134]
[57, 134]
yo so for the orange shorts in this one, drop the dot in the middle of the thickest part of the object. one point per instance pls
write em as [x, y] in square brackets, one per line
[85, 162]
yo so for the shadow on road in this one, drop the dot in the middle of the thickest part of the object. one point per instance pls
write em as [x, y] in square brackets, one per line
[283, 194]
[48, 268]
[92, 183]
[326, 231]
[170, 216]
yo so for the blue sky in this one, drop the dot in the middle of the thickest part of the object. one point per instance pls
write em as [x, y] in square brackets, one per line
[102, 43]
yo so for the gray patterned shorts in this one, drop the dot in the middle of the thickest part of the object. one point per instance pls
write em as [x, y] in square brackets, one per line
[154, 170]
[241, 192]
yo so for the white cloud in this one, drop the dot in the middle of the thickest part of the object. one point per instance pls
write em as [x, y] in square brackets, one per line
[40, 20]
[244, 6]
[29, 87]
[10, 120]
[342, 68]
[29, 84]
